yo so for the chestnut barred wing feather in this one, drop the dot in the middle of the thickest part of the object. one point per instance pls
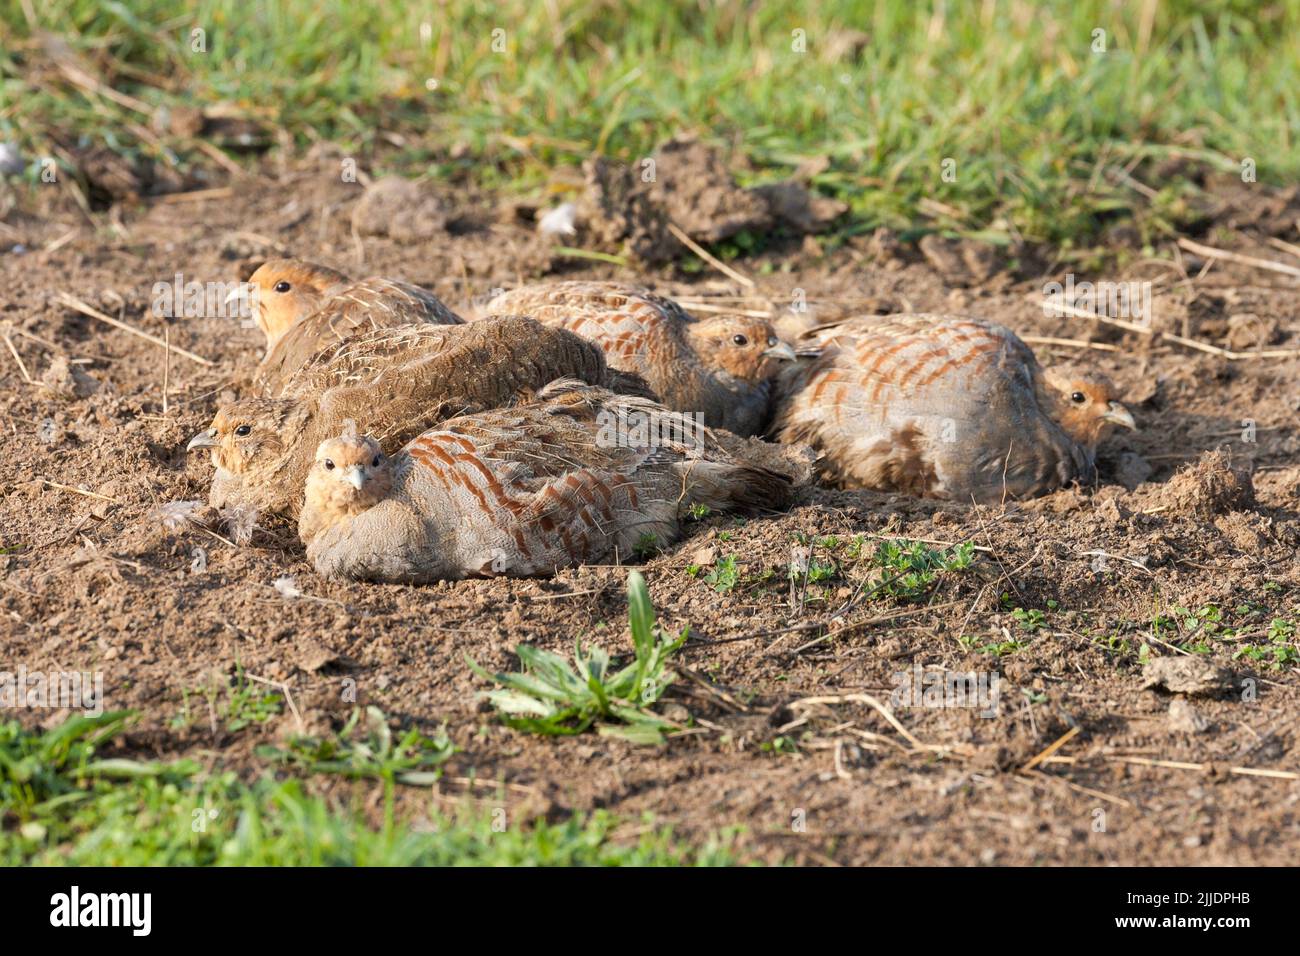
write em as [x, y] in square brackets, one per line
[535, 487]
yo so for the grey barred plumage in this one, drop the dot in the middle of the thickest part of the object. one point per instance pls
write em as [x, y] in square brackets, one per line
[519, 491]
[721, 367]
[942, 406]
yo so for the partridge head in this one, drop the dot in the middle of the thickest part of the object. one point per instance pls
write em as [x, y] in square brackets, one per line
[747, 349]
[1085, 405]
[305, 308]
[350, 474]
[253, 443]
[285, 291]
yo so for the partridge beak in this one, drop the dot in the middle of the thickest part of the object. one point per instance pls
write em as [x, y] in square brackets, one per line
[352, 475]
[245, 294]
[781, 351]
[206, 439]
[1117, 414]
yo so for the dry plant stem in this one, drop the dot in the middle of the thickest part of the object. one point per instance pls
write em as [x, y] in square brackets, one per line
[1178, 339]
[288, 696]
[167, 364]
[1285, 246]
[78, 491]
[723, 310]
[883, 619]
[17, 358]
[1208, 768]
[77, 305]
[1051, 748]
[1032, 776]
[708, 257]
[1212, 253]
[1069, 343]
[197, 195]
[873, 703]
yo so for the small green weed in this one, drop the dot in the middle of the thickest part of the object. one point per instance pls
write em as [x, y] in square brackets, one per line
[412, 759]
[912, 567]
[725, 575]
[553, 698]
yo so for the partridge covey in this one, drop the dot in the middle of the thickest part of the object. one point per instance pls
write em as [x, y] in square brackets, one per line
[525, 490]
[723, 368]
[303, 307]
[394, 383]
[943, 407]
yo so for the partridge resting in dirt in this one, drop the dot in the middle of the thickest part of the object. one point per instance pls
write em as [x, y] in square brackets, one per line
[554, 483]
[303, 307]
[394, 383]
[943, 407]
[723, 367]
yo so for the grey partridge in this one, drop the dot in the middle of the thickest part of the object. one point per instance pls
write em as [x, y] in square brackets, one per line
[943, 407]
[722, 368]
[394, 383]
[303, 307]
[549, 484]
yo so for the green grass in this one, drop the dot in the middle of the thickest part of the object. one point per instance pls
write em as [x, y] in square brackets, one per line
[553, 698]
[646, 547]
[1034, 120]
[1031, 621]
[1278, 652]
[62, 804]
[992, 648]
[248, 702]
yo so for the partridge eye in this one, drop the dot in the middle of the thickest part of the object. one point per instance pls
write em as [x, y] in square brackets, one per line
[329, 465]
[1078, 398]
[243, 430]
[282, 286]
[740, 340]
[771, 341]
[374, 462]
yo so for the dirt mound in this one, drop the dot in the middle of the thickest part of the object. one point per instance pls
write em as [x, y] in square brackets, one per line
[687, 184]
[1186, 675]
[618, 213]
[1210, 486]
[697, 193]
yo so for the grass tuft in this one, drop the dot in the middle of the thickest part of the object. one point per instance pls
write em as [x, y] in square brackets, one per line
[553, 698]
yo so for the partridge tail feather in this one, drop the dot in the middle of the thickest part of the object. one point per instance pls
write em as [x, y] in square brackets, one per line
[724, 486]
[629, 383]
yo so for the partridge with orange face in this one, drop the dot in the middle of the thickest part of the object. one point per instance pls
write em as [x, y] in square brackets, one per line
[394, 383]
[944, 407]
[723, 367]
[303, 307]
[550, 484]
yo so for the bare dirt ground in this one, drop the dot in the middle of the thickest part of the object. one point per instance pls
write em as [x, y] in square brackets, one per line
[96, 582]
